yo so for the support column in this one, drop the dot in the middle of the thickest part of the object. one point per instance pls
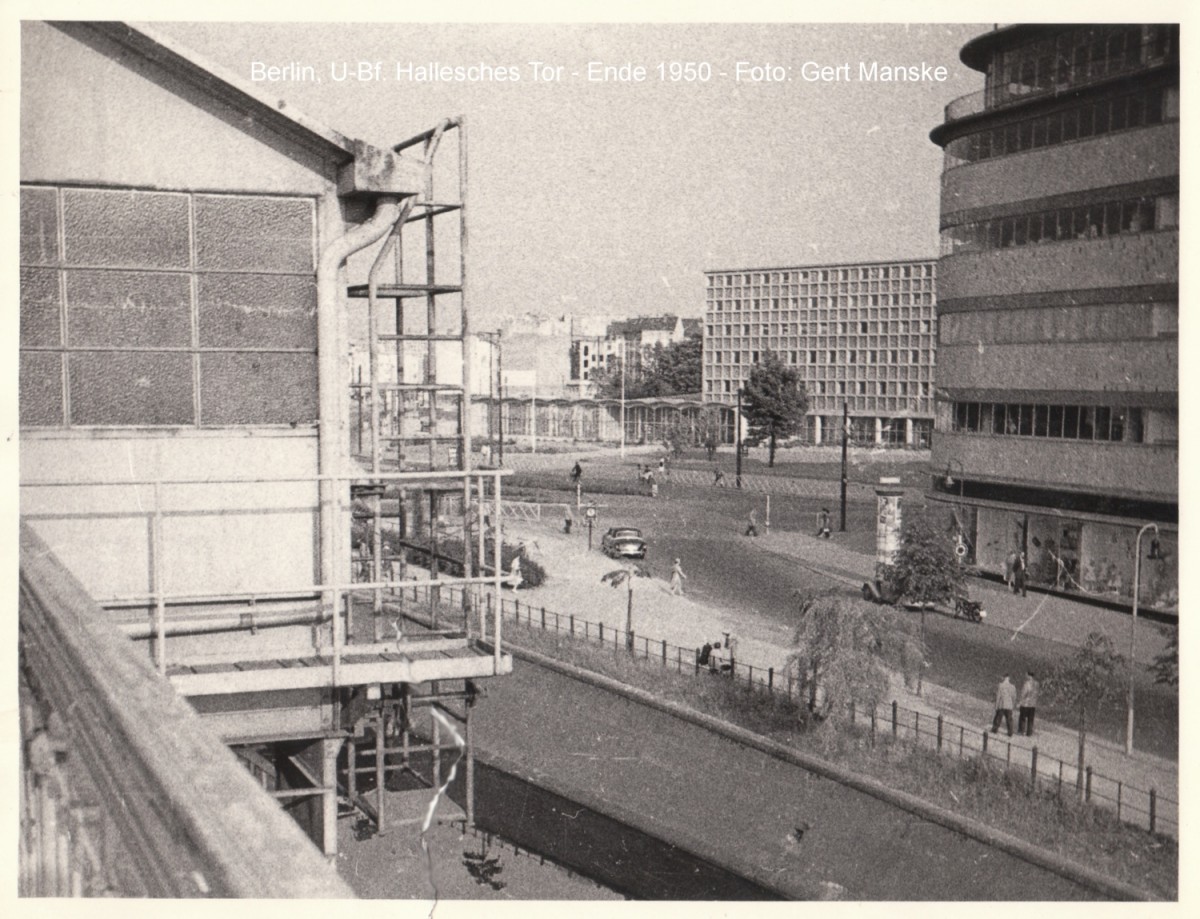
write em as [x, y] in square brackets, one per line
[908, 432]
[817, 432]
[878, 430]
[331, 749]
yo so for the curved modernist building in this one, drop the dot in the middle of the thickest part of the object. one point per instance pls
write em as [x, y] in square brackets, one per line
[1058, 304]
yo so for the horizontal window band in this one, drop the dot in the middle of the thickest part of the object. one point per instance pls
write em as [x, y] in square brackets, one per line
[183, 271]
[1140, 293]
[1150, 188]
[1101, 397]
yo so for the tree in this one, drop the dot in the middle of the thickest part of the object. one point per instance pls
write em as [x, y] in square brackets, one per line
[708, 431]
[845, 650]
[625, 576]
[1084, 681]
[677, 437]
[670, 370]
[1166, 665]
[773, 402]
[925, 569]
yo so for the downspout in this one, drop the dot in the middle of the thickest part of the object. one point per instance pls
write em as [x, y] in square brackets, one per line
[335, 494]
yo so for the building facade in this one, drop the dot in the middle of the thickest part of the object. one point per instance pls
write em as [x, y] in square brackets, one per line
[862, 336]
[185, 427]
[634, 339]
[1058, 359]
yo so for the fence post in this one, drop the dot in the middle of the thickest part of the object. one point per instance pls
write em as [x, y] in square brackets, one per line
[1119, 786]
[679, 660]
[852, 712]
[1153, 808]
[556, 629]
[961, 731]
[771, 679]
[872, 727]
[1033, 768]
[1060, 771]
[895, 718]
[543, 618]
[572, 625]
[600, 626]
[1087, 792]
[939, 733]
[985, 740]
[664, 644]
[1008, 753]
[916, 727]
[750, 678]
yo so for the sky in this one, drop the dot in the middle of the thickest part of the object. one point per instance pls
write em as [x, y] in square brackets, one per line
[611, 198]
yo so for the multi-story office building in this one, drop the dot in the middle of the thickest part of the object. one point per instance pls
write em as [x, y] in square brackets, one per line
[861, 335]
[1057, 411]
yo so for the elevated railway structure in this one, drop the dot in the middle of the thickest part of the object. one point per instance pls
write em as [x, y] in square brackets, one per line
[185, 457]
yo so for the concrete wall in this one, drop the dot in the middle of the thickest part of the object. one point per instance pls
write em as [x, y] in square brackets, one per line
[1083, 264]
[1130, 470]
[1099, 162]
[1128, 366]
[217, 538]
[96, 113]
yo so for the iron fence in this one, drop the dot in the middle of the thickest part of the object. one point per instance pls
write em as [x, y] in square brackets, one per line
[1140, 807]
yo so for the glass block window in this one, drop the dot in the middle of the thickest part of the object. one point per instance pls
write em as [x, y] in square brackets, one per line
[165, 308]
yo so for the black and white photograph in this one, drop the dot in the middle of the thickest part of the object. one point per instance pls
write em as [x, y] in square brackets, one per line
[479, 455]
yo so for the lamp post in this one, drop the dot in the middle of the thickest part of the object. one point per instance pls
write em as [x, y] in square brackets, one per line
[623, 343]
[1137, 578]
[737, 440]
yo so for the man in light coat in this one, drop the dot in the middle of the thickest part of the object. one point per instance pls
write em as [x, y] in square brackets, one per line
[1006, 700]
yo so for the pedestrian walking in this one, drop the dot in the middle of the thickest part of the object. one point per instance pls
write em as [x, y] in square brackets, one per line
[1006, 700]
[752, 529]
[662, 466]
[1027, 704]
[567, 522]
[653, 484]
[823, 528]
[1010, 565]
[576, 473]
[703, 655]
[1019, 575]
[677, 578]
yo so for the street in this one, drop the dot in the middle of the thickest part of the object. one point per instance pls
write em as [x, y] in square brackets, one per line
[705, 527]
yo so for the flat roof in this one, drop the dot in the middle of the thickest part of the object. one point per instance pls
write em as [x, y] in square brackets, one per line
[890, 261]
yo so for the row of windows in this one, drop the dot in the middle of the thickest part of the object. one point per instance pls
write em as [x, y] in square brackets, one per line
[860, 327]
[908, 356]
[1088, 221]
[1099, 322]
[845, 287]
[1076, 57]
[824, 275]
[163, 308]
[860, 301]
[1071, 422]
[880, 394]
[1148, 107]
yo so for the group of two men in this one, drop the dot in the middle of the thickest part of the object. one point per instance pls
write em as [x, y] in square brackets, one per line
[1007, 699]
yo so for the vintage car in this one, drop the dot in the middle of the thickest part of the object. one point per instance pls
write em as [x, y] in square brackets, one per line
[623, 542]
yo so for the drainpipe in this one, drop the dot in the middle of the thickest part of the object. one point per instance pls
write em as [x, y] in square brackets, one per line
[335, 495]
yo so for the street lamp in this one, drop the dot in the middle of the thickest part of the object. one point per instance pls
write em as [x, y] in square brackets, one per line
[623, 343]
[1137, 579]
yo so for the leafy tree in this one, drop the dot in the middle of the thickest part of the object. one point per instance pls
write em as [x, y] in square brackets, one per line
[845, 650]
[677, 437]
[625, 576]
[1084, 681]
[1166, 665]
[670, 370]
[708, 431]
[925, 569]
[774, 402]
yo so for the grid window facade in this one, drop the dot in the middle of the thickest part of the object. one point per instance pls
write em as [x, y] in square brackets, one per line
[166, 308]
[863, 334]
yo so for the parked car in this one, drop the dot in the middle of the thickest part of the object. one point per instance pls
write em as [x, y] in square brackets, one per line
[623, 542]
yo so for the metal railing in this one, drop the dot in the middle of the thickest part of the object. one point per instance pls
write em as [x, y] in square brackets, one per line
[124, 790]
[336, 597]
[1138, 806]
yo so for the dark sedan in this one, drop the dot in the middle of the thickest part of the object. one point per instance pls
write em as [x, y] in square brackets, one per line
[624, 542]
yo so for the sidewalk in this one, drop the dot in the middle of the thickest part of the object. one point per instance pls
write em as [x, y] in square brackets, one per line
[574, 587]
